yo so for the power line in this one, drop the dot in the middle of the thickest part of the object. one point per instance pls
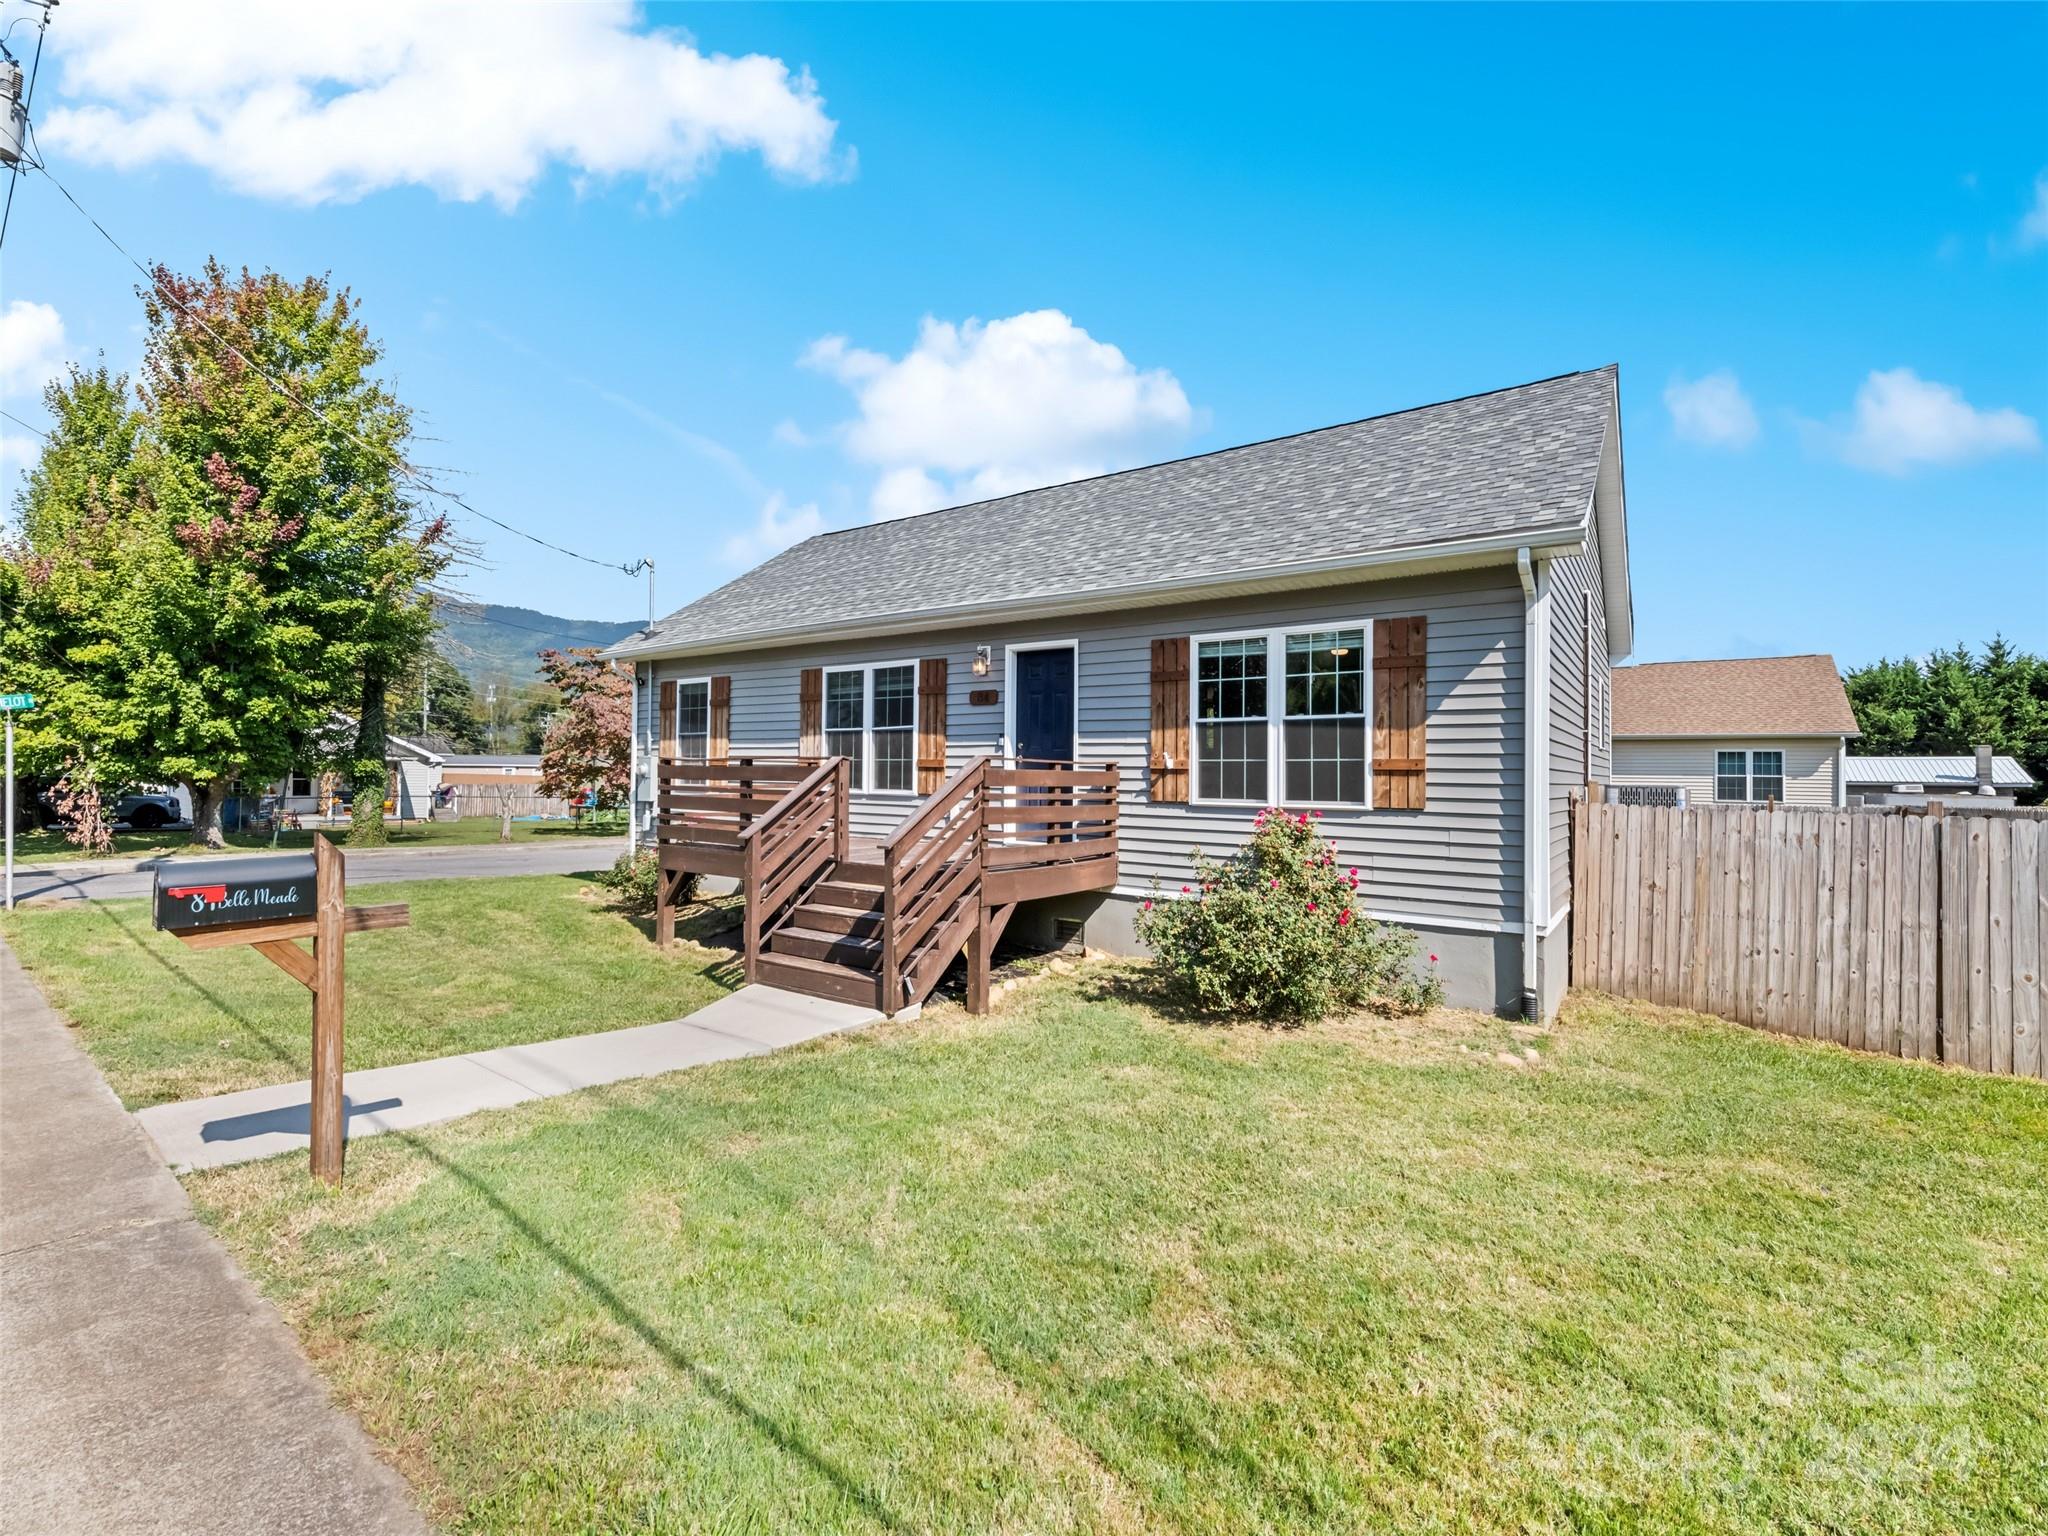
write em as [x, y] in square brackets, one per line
[28, 96]
[39, 432]
[411, 475]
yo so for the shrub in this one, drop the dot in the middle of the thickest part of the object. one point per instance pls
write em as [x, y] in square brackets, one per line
[634, 879]
[1276, 932]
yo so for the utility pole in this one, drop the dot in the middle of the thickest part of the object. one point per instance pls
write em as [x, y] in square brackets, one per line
[423, 695]
[9, 704]
[491, 708]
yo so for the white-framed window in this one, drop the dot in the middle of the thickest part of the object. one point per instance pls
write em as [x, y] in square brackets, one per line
[871, 719]
[1320, 736]
[1749, 776]
[693, 718]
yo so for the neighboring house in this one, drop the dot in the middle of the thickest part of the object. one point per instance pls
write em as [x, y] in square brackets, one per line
[412, 772]
[1985, 778]
[424, 776]
[1404, 623]
[1762, 729]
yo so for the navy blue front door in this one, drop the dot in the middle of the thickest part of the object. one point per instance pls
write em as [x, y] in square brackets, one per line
[1045, 704]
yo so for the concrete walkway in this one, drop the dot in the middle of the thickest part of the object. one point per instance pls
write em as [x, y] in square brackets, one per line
[144, 1385]
[262, 1122]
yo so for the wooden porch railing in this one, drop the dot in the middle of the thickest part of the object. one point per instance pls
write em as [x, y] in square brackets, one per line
[790, 847]
[997, 832]
[702, 806]
[928, 864]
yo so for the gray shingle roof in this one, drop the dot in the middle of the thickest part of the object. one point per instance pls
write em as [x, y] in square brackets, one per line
[1513, 461]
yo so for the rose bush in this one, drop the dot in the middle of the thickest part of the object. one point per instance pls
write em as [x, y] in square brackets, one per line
[1277, 932]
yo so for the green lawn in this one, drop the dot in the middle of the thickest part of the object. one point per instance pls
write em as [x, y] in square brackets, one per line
[486, 962]
[1081, 1267]
[49, 846]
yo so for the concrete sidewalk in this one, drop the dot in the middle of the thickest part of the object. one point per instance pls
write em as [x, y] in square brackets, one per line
[262, 1122]
[144, 1385]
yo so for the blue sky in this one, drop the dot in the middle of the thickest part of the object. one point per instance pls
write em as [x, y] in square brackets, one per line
[659, 303]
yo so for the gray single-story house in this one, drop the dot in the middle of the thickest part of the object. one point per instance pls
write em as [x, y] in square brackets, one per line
[1754, 731]
[1404, 623]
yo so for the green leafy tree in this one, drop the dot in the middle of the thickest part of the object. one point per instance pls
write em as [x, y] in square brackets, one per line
[453, 710]
[223, 571]
[1953, 701]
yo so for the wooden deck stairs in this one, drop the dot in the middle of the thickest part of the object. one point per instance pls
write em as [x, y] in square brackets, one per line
[878, 921]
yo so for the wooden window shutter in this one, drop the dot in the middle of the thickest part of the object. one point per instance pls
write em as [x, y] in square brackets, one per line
[719, 747]
[931, 724]
[810, 712]
[1169, 775]
[668, 719]
[1400, 713]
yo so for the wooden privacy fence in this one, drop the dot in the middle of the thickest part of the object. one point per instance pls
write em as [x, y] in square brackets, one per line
[1916, 934]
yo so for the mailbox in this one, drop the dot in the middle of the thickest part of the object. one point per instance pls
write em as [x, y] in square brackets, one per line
[221, 893]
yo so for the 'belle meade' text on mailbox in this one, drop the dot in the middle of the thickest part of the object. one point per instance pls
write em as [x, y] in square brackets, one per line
[216, 893]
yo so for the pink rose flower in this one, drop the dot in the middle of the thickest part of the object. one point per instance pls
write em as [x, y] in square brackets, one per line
[1432, 959]
[1311, 906]
[1343, 917]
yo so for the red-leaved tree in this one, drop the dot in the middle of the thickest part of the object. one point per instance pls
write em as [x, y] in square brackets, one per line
[589, 745]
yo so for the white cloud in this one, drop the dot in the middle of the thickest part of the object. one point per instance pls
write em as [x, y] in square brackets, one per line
[322, 102]
[1902, 421]
[1712, 411]
[2033, 230]
[982, 409]
[778, 527]
[32, 349]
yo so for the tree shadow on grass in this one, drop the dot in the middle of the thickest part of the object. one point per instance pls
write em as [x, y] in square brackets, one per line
[779, 1435]
[278, 1051]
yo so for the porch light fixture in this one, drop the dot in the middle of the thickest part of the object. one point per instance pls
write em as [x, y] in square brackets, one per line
[981, 661]
[1340, 650]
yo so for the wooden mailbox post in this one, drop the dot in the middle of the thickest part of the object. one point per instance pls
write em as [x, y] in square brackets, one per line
[270, 903]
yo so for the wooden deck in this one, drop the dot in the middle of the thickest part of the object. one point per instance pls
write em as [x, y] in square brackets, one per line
[877, 920]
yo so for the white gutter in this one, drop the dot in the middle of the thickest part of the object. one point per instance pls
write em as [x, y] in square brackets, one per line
[1544, 542]
[1535, 777]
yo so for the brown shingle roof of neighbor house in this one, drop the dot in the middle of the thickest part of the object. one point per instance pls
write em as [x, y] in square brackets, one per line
[1760, 696]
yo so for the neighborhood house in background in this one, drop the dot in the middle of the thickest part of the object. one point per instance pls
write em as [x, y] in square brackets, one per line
[426, 781]
[1403, 624]
[1747, 732]
[1985, 778]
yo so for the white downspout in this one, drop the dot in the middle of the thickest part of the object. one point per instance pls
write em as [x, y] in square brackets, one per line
[1535, 779]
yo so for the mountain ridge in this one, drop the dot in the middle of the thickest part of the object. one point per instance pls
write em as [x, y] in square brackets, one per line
[486, 640]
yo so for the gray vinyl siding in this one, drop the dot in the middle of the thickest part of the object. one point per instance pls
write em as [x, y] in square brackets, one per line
[1578, 685]
[1810, 764]
[1456, 862]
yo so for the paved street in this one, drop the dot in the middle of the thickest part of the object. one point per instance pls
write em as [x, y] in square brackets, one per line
[550, 858]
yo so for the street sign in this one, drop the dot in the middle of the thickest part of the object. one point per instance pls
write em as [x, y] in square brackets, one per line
[13, 701]
[217, 892]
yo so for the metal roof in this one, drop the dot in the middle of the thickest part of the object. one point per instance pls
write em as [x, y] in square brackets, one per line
[2006, 773]
[1515, 463]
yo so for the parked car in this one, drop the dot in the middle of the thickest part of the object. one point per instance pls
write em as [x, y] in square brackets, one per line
[145, 810]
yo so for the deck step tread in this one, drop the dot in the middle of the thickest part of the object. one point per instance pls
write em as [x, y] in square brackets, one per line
[820, 978]
[843, 949]
[823, 917]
